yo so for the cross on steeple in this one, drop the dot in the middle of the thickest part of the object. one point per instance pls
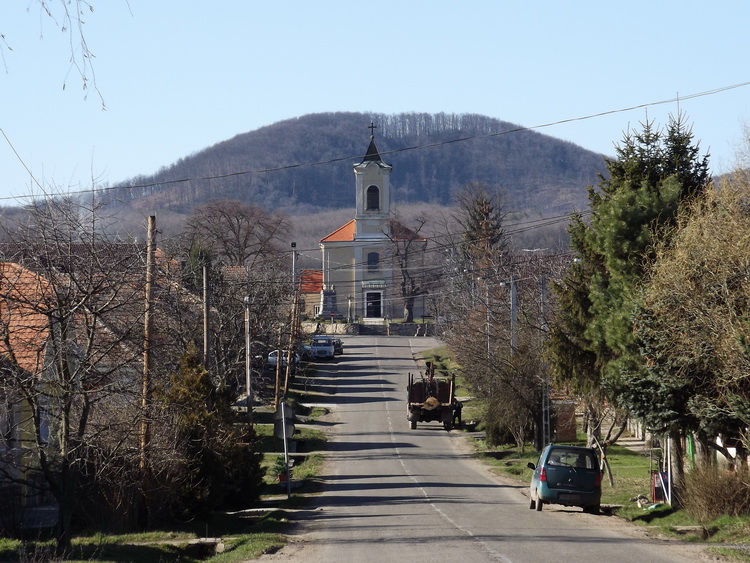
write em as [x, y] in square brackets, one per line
[372, 128]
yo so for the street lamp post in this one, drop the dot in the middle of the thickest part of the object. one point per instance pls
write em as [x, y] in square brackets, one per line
[349, 309]
[294, 264]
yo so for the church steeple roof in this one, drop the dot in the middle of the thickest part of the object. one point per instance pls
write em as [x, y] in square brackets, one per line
[372, 154]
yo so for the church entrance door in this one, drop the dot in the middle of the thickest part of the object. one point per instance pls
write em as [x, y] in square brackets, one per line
[374, 304]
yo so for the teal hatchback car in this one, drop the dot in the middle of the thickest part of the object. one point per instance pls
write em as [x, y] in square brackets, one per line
[567, 475]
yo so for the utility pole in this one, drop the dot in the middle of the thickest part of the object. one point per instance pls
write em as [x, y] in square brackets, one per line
[277, 370]
[206, 307]
[546, 419]
[146, 379]
[488, 320]
[513, 313]
[291, 352]
[248, 364]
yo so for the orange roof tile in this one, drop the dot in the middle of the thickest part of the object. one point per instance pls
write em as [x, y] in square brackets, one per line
[342, 234]
[311, 281]
[24, 294]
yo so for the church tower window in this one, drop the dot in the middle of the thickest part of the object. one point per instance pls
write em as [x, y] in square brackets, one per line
[373, 199]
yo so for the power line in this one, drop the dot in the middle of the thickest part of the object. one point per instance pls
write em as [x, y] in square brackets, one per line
[349, 158]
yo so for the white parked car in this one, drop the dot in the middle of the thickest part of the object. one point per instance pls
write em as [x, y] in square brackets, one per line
[322, 347]
[274, 356]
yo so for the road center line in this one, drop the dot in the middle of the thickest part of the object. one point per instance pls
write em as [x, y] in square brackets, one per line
[390, 418]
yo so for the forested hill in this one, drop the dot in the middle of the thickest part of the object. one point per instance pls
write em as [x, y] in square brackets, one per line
[306, 164]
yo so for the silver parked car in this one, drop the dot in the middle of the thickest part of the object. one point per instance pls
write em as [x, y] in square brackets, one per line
[322, 348]
[273, 358]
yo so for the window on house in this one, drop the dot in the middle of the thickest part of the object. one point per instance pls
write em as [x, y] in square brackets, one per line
[373, 261]
[373, 198]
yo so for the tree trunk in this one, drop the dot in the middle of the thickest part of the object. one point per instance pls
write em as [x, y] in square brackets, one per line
[593, 426]
[65, 498]
[408, 309]
[677, 467]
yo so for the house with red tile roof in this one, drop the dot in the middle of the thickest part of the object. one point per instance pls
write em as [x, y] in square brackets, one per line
[72, 332]
[310, 287]
[34, 348]
[25, 332]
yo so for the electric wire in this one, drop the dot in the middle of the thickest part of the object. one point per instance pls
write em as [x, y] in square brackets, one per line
[103, 189]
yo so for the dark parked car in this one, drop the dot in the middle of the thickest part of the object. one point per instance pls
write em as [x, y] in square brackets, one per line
[567, 475]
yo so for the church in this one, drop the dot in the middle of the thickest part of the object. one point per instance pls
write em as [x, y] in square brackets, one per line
[359, 281]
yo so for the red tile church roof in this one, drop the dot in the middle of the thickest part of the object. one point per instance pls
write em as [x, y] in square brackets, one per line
[342, 234]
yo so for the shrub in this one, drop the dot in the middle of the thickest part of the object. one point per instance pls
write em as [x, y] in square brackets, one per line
[215, 463]
[711, 492]
[279, 465]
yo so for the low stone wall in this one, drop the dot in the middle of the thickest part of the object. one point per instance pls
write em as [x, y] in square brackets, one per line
[392, 329]
[404, 329]
[324, 327]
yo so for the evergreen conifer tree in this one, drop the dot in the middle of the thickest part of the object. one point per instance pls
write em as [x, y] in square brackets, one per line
[592, 344]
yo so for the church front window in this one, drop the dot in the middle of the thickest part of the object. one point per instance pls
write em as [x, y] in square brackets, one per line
[373, 261]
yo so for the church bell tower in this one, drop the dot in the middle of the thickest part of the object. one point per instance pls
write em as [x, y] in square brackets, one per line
[373, 189]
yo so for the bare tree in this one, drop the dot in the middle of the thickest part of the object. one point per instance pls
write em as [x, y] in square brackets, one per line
[408, 251]
[693, 327]
[70, 17]
[237, 233]
[70, 304]
[244, 247]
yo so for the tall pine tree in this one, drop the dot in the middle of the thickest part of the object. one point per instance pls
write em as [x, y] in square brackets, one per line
[592, 342]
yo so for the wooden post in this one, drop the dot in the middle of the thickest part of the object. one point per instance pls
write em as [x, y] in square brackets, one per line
[146, 379]
[248, 364]
[291, 353]
[206, 325]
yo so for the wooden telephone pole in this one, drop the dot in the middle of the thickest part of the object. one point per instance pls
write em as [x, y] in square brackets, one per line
[146, 379]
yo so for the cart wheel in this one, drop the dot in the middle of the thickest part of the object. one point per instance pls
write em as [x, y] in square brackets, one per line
[413, 424]
[539, 504]
[447, 426]
[532, 504]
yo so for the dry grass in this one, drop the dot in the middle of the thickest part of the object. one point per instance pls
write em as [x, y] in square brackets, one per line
[711, 492]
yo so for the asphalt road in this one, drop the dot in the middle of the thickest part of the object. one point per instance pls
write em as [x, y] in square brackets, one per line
[396, 494]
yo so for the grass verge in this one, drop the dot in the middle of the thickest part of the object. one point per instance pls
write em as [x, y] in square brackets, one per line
[244, 536]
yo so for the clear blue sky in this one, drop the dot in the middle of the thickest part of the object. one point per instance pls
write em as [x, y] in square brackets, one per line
[179, 76]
